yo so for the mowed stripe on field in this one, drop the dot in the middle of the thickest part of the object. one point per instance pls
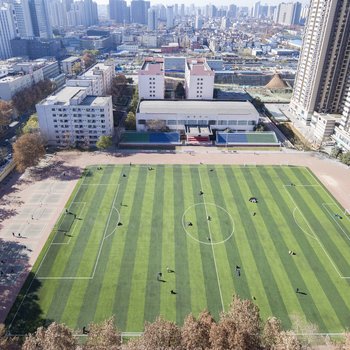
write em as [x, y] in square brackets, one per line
[84, 252]
[153, 236]
[322, 266]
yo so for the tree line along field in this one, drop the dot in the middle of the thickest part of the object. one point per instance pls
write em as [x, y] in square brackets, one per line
[125, 224]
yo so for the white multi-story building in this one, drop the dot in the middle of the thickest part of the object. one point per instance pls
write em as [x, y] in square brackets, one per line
[151, 80]
[11, 84]
[7, 30]
[99, 77]
[199, 80]
[68, 64]
[73, 117]
[177, 115]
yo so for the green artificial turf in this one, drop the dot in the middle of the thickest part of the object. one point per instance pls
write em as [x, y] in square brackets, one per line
[94, 267]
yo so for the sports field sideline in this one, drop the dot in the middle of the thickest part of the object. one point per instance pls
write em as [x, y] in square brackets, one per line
[104, 254]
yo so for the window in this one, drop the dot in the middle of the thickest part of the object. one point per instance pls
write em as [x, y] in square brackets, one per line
[242, 122]
[171, 122]
[251, 122]
[141, 122]
[232, 122]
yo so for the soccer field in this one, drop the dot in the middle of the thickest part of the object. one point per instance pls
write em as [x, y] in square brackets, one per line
[125, 224]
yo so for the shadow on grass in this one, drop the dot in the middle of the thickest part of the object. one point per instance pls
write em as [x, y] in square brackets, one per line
[25, 315]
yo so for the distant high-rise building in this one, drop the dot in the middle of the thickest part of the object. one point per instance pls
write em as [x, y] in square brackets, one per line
[40, 18]
[169, 17]
[256, 12]
[288, 13]
[243, 11]
[176, 10]
[303, 14]
[117, 10]
[322, 82]
[182, 10]
[57, 13]
[225, 23]
[232, 12]
[7, 30]
[139, 11]
[264, 11]
[272, 10]
[199, 22]
[23, 19]
[152, 19]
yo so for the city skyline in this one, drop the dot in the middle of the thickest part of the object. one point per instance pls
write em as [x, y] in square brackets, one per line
[201, 3]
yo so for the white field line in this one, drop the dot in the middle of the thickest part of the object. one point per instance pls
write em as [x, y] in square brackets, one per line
[36, 273]
[99, 251]
[313, 232]
[333, 218]
[68, 278]
[74, 227]
[212, 246]
[111, 233]
[104, 234]
[296, 221]
[58, 220]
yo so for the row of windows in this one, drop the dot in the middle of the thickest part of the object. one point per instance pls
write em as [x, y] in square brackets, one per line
[102, 121]
[65, 126]
[78, 132]
[77, 110]
[204, 122]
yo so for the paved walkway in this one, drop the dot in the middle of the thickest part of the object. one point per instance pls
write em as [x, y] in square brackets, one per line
[32, 203]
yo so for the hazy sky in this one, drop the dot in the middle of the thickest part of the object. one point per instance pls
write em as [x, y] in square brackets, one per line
[216, 3]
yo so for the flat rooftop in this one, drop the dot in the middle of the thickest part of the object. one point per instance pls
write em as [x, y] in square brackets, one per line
[64, 96]
[197, 107]
[71, 59]
[97, 66]
[199, 68]
[94, 101]
[152, 68]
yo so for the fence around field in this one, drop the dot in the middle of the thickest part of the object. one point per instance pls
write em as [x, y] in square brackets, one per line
[267, 138]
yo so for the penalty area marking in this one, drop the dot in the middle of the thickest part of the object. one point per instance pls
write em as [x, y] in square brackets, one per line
[36, 277]
[313, 232]
[325, 205]
[100, 248]
[74, 225]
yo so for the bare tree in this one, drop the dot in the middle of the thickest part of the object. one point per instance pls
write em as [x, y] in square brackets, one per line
[161, 334]
[246, 316]
[103, 336]
[196, 333]
[156, 125]
[287, 340]
[223, 335]
[271, 332]
[6, 112]
[55, 337]
[7, 343]
[27, 151]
